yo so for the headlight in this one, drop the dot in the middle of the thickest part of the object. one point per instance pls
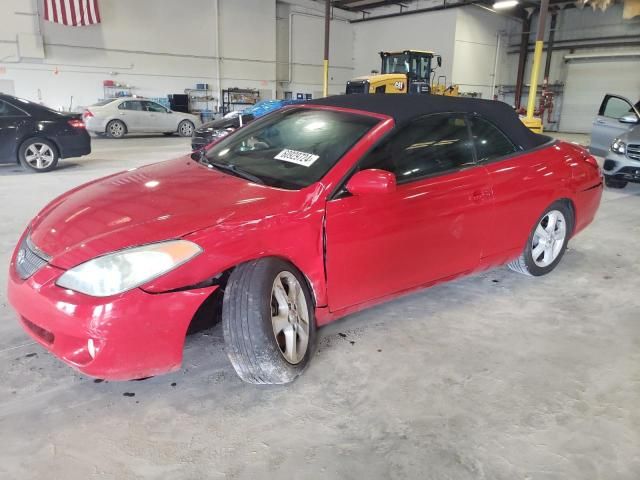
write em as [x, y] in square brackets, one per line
[126, 269]
[618, 146]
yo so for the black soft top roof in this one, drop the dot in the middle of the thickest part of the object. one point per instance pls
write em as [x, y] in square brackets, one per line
[404, 108]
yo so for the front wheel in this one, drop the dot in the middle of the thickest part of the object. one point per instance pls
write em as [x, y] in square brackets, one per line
[547, 242]
[614, 182]
[268, 321]
[38, 154]
[185, 128]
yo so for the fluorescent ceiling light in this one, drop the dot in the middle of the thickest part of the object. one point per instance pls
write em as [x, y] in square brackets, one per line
[505, 4]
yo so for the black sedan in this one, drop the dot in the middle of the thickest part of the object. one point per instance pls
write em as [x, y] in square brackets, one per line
[36, 137]
[215, 129]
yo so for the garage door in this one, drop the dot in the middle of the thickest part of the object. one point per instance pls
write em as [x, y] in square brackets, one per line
[588, 81]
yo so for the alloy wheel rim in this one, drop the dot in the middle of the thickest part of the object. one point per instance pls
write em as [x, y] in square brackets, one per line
[548, 238]
[186, 128]
[39, 155]
[290, 317]
[116, 129]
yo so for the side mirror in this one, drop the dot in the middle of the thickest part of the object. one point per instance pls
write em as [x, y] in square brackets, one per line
[439, 60]
[629, 118]
[367, 182]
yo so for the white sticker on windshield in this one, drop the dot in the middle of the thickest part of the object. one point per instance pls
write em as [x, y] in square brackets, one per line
[300, 158]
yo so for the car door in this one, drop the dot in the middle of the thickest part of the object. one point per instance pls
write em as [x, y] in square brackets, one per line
[430, 228]
[132, 113]
[12, 121]
[159, 118]
[607, 125]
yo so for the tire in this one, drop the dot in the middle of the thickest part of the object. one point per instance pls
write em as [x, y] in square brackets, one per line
[186, 128]
[536, 259]
[168, 134]
[614, 182]
[116, 129]
[38, 155]
[252, 314]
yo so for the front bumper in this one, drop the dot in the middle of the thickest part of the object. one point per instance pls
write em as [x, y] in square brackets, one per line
[135, 334]
[621, 167]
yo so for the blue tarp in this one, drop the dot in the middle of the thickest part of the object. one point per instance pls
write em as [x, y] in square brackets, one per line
[267, 106]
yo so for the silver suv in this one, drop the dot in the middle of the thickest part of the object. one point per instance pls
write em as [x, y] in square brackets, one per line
[616, 136]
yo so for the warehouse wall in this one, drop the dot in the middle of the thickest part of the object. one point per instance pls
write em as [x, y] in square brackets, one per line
[423, 31]
[475, 50]
[157, 46]
[573, 24]
[300, 48]
[582, 82]
[465, 37]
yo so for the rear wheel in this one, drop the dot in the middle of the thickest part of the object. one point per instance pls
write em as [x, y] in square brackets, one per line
[38, 154]
[614, 182]
[116, 129]
[268, 322]
[547, 242]
[185, 128]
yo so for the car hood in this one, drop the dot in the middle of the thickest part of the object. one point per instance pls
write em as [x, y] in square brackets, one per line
[158, 202]
[224, 123]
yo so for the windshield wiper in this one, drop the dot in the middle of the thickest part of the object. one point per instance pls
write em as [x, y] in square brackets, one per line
[235, 170]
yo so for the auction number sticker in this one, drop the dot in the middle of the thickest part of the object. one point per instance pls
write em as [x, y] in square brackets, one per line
[300, 158]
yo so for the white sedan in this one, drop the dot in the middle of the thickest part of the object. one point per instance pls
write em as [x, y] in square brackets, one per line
[117, 117]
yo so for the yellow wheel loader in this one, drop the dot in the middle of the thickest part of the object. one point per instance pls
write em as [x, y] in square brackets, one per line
[408, 71]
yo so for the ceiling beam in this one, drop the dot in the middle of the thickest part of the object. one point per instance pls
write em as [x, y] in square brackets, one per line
[359, 5]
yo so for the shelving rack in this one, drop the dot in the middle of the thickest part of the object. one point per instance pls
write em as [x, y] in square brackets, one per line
[117, 91]
[201, 101]
[234, 97]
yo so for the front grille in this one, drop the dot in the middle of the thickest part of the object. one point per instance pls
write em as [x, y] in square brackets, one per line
[358, 86]
[609, 165]
[633, 151]
[29, 259]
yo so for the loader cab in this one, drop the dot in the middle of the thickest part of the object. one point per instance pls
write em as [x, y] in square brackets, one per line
[416, 65]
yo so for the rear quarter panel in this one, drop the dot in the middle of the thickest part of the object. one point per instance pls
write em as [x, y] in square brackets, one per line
[587, 181]
[523, 187]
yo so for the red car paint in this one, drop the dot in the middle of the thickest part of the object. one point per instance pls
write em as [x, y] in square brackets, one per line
[414, 235]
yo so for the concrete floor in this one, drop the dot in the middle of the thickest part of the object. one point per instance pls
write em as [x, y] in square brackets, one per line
[497, 376]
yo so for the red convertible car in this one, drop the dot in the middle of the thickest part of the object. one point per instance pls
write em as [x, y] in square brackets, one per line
[293, 221]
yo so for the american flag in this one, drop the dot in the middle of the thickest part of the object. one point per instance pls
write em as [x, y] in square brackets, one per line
[73, 13]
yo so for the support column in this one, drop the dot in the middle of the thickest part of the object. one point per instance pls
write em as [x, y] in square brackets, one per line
[327, 23]
[522, 58]
[537, 57]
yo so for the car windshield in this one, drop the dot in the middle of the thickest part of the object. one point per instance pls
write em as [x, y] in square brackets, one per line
[291, 148]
